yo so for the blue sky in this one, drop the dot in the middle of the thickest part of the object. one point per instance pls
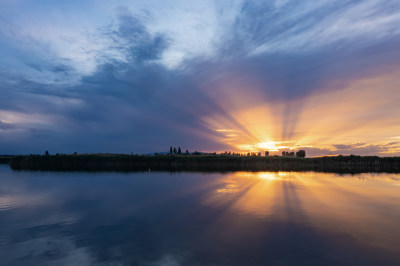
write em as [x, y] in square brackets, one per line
[140, 76]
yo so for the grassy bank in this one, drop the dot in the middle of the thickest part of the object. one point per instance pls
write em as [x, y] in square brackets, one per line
[5, 159]
[203, 163]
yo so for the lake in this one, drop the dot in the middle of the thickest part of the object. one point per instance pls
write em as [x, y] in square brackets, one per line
[159, 218]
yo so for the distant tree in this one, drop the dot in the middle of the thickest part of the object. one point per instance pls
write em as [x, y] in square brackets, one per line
[266, 153]
[301, 154]
[187, 152]
[75, 153]
[179, 150]
[283, 153]
[170, 150]
[291, 154]
[46, 153]
[174, 150]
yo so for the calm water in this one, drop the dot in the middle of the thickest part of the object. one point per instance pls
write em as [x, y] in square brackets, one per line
[199, 219]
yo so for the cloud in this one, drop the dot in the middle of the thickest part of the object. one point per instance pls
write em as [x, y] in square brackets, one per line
[348, 146]
[5, 126]
[135, 80]
[382, 149]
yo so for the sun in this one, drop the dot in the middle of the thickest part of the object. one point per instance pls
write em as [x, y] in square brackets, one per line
[269, 146]
[264, 146]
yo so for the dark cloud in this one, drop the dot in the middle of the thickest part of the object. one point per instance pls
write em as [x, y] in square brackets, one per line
[140, 44]
[348, 146]
[284, 75]
[386, 149]
[138, 104]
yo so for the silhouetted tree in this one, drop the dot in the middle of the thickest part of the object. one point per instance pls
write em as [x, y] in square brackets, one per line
[179, 150]
[46, 153]
[301, 153]
[170, 150]
[266, 153]
[187, 152]
[174, 150]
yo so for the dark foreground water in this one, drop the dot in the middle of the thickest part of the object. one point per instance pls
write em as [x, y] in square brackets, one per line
[241, 218]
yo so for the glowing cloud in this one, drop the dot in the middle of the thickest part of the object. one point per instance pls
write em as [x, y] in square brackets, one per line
[101, 76]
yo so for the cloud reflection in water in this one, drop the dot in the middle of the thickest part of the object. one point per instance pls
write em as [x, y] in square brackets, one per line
[198, 219]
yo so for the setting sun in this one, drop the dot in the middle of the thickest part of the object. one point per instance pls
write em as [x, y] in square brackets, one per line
[215, 132]
[264, 146]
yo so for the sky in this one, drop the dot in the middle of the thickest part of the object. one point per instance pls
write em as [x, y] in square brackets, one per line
[228, 75]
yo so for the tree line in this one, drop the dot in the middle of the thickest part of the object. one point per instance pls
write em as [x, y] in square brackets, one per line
[173, 150]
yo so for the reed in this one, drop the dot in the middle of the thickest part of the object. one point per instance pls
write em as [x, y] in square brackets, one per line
[203, 163]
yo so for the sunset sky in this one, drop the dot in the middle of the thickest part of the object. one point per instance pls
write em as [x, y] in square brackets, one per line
[223, 75]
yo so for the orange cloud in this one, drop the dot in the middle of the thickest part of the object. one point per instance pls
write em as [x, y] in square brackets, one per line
[365, 111]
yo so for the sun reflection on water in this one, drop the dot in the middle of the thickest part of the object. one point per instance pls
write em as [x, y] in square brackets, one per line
[304, 198]
[243, 215]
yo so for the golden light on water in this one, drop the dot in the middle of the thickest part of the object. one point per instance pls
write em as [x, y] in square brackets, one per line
[294, 196]
[272, 176]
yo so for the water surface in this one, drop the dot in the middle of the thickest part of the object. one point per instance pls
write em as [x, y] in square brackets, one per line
[267, 218]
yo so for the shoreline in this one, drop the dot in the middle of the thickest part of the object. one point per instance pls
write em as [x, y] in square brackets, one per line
[203, 163]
